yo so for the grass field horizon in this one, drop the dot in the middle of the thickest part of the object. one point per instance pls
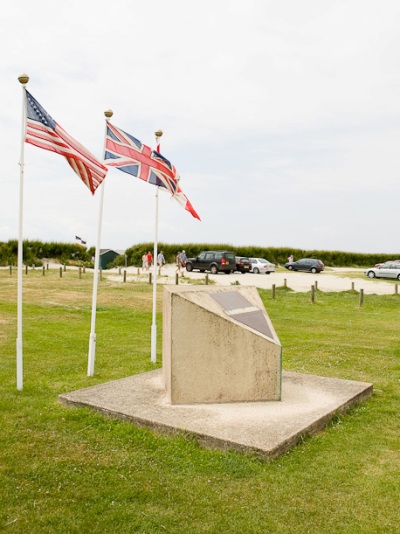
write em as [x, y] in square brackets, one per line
[72, 470]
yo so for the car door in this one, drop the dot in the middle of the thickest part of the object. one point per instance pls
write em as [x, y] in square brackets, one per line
[200, 261]
[386, 271]
[301, 265]
[392, 271]
[209, 259]
[309, 264]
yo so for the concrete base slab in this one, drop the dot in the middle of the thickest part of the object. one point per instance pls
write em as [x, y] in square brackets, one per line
[266, 428]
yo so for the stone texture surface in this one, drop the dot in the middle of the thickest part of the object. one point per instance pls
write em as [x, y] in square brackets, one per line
[219, 345]
[266, 428]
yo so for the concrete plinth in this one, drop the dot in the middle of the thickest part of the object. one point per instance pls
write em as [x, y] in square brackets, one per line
[266, 428]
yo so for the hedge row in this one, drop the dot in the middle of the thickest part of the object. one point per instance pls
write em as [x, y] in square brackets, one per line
[278, 256]
[37, 251]
[34, 252]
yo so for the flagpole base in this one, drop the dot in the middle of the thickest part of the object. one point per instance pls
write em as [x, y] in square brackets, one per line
[153, 343]
[92, 352]
[19, 365]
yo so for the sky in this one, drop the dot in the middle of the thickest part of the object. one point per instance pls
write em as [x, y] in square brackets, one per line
[282, 119]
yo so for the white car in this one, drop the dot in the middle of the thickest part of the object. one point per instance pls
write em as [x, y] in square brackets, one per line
[386, 270]
[260, 265]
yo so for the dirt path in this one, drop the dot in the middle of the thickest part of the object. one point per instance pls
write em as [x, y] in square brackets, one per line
[329, 280]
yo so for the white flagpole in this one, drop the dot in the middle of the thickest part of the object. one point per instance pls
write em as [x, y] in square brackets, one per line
[23, 79]
[92, 337]
[158, 134]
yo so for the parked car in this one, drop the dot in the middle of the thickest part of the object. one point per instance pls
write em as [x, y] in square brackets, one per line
[305, 264]
[386, 270]
[386, 262]
[242, 264]
[261, 265]
[213, 261]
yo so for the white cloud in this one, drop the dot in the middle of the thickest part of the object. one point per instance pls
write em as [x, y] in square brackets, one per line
[283, 118]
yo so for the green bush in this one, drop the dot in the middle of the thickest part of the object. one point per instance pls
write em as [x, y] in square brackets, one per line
[278, 256]
[35, 251]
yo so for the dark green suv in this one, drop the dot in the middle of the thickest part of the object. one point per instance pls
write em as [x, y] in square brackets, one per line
[213, 261]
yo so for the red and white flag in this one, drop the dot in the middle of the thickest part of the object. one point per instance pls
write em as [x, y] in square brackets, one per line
[128, 154]
[44, 132]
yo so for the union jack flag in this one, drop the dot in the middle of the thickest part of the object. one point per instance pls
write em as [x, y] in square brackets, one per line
[128, 154]
[44, 132]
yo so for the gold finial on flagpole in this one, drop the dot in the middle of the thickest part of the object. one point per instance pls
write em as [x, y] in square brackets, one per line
[109, 113]
[158, 133]
[24, 79]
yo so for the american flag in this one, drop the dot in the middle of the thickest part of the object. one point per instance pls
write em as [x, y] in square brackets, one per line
[129, 155]
[44, 132]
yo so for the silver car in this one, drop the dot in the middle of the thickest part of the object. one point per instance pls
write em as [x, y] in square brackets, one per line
[386, 270]
[260, 265]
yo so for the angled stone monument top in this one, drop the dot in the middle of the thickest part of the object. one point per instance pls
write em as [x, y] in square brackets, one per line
[219, 346]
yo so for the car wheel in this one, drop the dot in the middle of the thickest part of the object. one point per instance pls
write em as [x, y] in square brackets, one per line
[213, 269]
[371, 274]
[201, 270]
[290, 268]
[228, 272]
[189, 267]
[267, 272]
[313, 270]
[398, 277]
[255, 270]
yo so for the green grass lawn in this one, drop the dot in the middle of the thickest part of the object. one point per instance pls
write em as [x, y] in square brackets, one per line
[67, 469]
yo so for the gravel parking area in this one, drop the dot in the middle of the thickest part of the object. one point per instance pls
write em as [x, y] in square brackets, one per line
[334, 279]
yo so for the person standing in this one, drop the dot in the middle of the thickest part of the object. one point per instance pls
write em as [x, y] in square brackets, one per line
[149, 260]
[144, 262]
[183, 258]
[290, 258]
[160, 260]
[178, 262]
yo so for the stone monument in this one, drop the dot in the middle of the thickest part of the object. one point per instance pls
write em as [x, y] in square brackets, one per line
[219, 346]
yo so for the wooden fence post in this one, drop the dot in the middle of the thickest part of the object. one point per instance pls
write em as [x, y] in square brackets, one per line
[312, 293]
[361, 299]
[60, 272]
[273, 291]
[206, 279]
[176, 279]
